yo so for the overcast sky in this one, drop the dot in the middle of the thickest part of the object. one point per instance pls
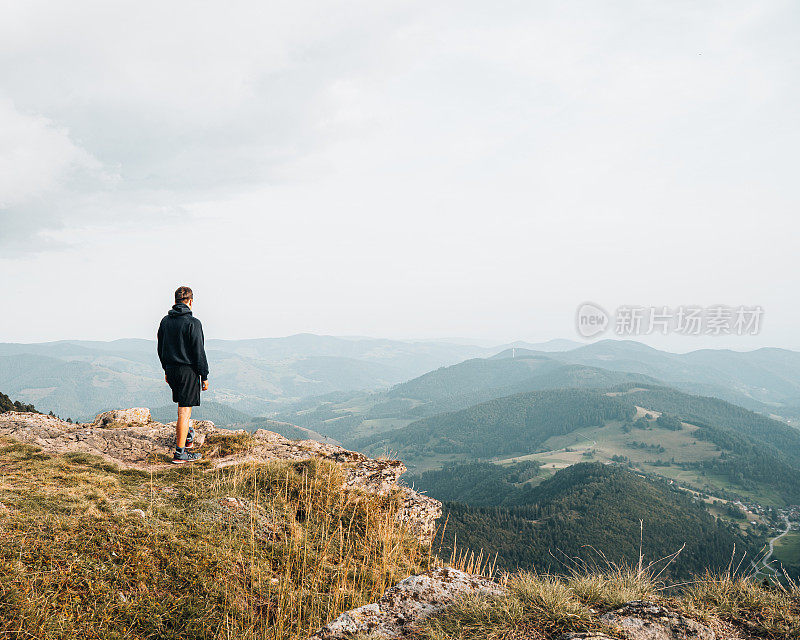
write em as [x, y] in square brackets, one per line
[400, 169]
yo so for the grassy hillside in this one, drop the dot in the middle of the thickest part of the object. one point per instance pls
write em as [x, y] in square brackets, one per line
[781, 438]
[272, 551]
[258, 551]
[760, 456]
[592, 511]
[542, 606]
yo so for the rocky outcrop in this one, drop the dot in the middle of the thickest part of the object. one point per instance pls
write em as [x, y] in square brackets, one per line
[418, 597]
[130, 438]
[407, 603]
[123, 417]
[131, 444]
[641, 620]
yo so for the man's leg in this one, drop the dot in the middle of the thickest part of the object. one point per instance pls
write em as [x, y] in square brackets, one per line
[182, 427]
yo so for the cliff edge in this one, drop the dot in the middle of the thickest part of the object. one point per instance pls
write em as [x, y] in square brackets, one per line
[131, 439]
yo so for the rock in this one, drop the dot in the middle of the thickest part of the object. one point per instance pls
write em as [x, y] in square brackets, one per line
[4, 509]
[138, 415]
[417, 597]
[642, 620]
[138, 512]
[406, 604]
[197, 424]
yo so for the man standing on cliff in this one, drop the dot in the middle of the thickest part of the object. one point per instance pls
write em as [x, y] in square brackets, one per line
[183, 358]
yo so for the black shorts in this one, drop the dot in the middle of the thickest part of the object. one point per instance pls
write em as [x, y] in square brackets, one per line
[185, 385]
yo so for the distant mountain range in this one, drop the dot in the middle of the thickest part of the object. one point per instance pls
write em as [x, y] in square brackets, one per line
[766, 381]
[349, 387]
[763, 379]
[80, 378]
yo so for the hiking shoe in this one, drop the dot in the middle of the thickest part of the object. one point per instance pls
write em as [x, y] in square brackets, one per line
[190, 438]
[182, 456]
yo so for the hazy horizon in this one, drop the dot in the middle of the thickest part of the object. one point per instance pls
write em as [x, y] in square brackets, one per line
[685, 347]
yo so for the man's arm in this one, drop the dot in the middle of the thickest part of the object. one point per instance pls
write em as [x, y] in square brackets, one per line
[199, 355]
[160, 345]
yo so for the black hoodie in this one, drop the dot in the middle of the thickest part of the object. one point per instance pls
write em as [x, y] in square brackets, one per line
[180, 341]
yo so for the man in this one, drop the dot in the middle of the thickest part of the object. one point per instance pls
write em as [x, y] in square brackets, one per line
[183, 358]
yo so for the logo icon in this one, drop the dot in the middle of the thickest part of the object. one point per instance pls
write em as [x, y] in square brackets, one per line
[591, 320]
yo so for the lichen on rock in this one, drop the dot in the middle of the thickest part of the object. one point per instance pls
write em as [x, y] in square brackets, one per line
[642, 620]
[406, 604]
[123, 417]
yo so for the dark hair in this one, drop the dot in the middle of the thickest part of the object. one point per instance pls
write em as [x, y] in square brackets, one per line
[182, 294]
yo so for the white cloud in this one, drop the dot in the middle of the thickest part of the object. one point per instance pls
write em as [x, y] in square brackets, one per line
[37, 157]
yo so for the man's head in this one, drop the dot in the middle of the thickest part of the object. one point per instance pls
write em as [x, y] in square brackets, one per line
[184, 295]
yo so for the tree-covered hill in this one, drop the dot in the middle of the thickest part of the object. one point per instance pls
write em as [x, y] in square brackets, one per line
[7, 404]
[704, 443]
[593, 511]
[478, 484]
[510, 425]
[757, 452]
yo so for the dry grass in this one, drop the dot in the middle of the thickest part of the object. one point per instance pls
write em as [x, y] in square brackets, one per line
[255, 551]
[613, 587]
[219, 445]
[543, 606]
[533, 606]
[767, 611]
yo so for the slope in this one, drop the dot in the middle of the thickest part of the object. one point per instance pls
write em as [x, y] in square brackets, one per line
[593, 512]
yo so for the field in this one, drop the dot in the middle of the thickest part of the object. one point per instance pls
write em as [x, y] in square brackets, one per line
[642, 449]
[640, 446]
[787, 549]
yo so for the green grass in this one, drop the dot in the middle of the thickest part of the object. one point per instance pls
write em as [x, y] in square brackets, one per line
[610, 440]
[787, 549]
[254, 551]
